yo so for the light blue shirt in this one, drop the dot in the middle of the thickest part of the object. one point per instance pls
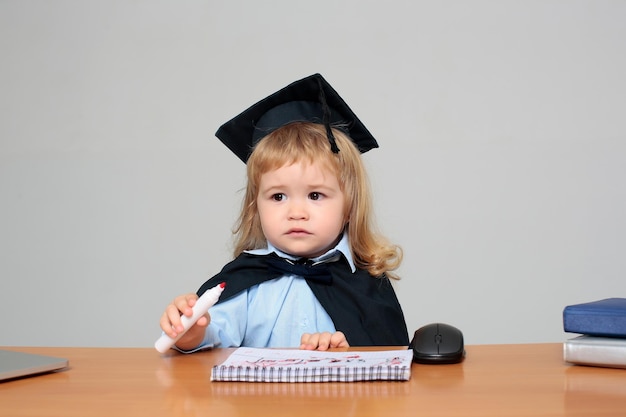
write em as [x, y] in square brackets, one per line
[274, 313]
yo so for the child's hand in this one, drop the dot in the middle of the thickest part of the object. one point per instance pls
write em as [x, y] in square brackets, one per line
[172, 326]
[323, 341]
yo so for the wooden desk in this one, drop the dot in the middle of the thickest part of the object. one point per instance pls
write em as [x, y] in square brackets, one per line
[494, 380]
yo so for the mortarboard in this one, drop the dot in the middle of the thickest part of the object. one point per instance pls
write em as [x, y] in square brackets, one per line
[310, 99]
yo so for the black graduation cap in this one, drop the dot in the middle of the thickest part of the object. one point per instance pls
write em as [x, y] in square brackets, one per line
[310, 99]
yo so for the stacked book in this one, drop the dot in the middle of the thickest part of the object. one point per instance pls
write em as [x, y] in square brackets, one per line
[601, 326]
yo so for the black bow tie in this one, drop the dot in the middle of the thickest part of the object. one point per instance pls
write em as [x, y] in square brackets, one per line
[303, 267]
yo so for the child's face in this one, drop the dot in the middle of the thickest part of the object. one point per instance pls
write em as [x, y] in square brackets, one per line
[301, 208]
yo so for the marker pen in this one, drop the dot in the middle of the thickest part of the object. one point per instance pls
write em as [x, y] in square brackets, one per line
[203, 303]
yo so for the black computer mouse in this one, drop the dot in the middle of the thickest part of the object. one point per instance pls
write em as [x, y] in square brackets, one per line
[437, 343]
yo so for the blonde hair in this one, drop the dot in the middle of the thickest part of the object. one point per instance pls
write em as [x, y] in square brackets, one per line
[307, 142]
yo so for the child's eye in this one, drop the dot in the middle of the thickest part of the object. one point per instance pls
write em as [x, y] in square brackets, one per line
[278, 197]
[315, 196]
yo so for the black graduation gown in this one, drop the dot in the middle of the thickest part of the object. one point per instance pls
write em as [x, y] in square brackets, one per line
[363, 307]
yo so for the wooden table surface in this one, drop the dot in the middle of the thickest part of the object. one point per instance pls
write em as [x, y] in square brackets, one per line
[493, 380]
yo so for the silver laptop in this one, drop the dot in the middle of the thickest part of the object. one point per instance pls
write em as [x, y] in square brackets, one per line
[15, 364]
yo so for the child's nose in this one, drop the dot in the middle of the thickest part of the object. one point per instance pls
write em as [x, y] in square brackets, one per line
[297, 211]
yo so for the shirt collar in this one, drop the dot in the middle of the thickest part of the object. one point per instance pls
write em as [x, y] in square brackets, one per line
[343, 247]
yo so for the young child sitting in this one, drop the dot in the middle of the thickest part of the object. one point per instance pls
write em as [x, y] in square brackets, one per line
[309, 269]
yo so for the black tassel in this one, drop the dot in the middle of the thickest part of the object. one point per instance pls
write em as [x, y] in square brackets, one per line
[326, 118]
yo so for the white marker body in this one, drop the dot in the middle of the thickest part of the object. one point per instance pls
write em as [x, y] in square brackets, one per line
[204, 302]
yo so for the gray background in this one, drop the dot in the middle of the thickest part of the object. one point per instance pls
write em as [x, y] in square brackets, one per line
[501, 168]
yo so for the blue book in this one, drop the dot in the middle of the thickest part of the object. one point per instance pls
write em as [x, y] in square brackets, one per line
[598, 318]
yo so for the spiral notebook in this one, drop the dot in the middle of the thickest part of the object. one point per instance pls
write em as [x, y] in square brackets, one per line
[293, 365]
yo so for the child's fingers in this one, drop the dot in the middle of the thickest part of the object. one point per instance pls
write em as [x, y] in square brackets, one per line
[338, 340]
[324, 341]
[309, 341]
[204, 320]
[185, 302]
[170, 320]
[318, 341]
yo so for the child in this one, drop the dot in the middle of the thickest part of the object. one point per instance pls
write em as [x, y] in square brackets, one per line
[309, 271]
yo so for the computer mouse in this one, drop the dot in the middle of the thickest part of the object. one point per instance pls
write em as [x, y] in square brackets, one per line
[437, 343]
